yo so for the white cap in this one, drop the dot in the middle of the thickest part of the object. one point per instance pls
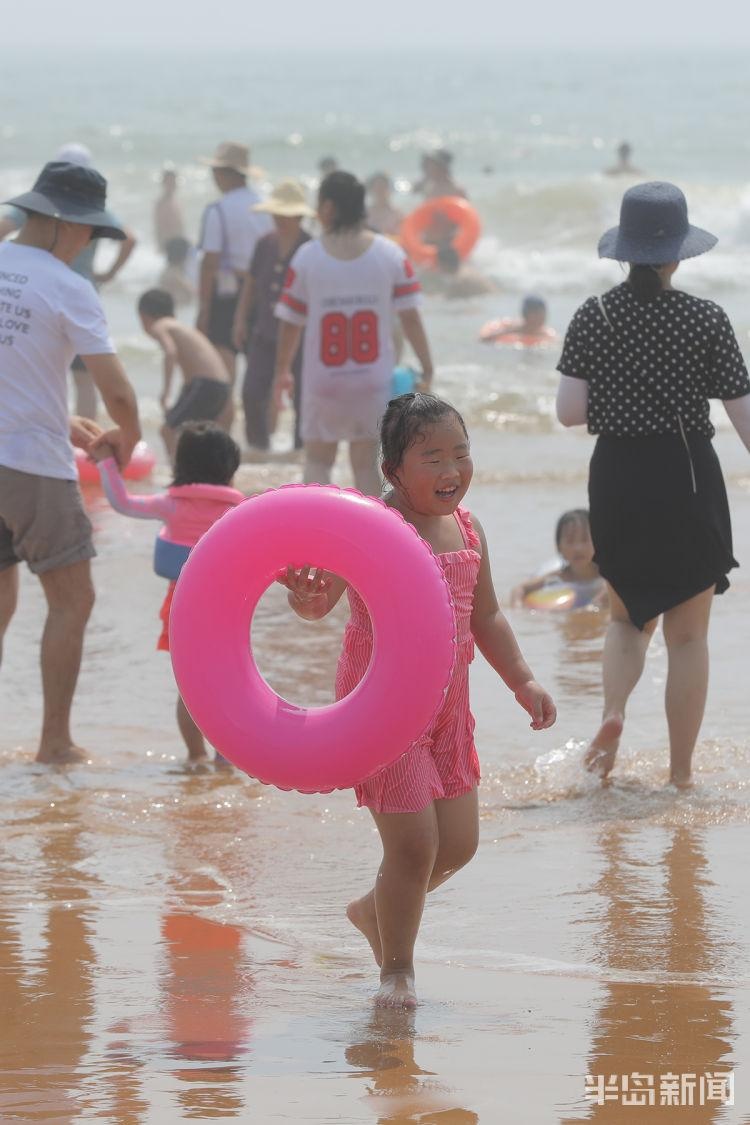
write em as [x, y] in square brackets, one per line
[74, 153]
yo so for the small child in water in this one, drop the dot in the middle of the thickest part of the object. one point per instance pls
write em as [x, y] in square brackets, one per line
[574, 545]
[206, 459]
[425, 804]
[206, 390]
[532, 325]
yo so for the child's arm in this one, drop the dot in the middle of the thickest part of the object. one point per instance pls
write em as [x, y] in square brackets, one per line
[498, 645]
[166, 343]
[413, 327]
[158, 507]
[290, 336]
[312, 592]
[519, 592]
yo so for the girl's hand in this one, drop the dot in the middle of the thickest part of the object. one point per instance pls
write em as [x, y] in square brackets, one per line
[534, 699]
[101, 452]
[308, 591]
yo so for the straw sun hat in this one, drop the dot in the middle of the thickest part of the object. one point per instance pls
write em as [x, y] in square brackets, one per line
[287, 199]
[235, 157]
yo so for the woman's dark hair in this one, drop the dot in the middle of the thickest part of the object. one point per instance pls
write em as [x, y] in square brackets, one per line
[156, 303]
[645, 283]
[578, 516]
[205, 454]
[347, 195]
[405, 420]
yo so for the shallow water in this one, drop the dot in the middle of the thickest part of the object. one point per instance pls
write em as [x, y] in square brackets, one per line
[173, 942]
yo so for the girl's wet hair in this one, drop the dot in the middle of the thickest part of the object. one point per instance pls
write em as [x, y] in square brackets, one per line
[347, 195]
[205, 454]
[579, 516]
[406, 419]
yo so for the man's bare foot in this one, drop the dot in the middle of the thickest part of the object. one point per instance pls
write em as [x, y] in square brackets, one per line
[600, 756]
[361, 913]
[396, 991]
[681, 780]
[61, 753]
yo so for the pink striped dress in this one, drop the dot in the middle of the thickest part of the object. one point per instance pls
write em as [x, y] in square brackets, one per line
[444, 762]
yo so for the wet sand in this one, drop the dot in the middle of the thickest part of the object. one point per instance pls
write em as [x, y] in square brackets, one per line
[174, 945]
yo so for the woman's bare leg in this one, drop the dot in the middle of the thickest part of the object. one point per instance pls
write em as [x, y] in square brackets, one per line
[686, 636]
[625, 649]
[319, 459]
[363, 456]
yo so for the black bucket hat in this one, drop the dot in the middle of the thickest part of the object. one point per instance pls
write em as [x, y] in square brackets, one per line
[71, 193]
[654, 228]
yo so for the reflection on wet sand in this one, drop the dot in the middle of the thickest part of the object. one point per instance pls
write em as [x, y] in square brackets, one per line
[656, 928]
[46, 996]
[399, 1091]
[204, 991]
[206, 982]
[579, 668]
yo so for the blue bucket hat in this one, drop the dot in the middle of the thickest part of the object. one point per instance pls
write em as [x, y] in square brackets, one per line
[73, 194]
[654, 228]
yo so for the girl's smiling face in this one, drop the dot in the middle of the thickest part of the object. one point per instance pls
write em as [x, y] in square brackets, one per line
[436, 469]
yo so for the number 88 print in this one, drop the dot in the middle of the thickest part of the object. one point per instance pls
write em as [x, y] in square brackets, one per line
[344, 338]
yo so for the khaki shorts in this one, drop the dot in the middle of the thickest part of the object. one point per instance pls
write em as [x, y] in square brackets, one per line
[42, 522]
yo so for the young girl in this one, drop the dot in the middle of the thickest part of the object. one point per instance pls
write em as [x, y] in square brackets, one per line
[425, 804]
[346, 290]
[574, 545]
[206, 459]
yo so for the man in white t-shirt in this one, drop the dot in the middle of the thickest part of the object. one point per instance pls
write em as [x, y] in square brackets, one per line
[230, 230]
[49, 314]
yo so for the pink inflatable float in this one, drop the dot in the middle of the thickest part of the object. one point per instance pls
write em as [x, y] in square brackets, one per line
[140, 465]
[316, 749]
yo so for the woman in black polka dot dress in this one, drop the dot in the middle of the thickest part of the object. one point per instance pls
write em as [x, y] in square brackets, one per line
[639, 366]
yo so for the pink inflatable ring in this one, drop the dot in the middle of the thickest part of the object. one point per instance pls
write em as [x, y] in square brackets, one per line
[316, 749]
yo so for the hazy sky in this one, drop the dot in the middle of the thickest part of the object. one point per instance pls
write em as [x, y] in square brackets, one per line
[379, 23]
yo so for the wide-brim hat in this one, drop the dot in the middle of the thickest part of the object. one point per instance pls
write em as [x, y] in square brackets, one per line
[73, 194]
[233, 156]
[654, 228]
[287, 200]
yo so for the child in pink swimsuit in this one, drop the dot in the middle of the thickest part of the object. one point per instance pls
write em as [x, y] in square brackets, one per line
[425, 804]
[206, 459]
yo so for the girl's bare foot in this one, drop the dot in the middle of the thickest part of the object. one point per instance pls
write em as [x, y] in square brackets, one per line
[681, 780]
[396, 991]
[601, 754]
[361, 913]
[61, 753]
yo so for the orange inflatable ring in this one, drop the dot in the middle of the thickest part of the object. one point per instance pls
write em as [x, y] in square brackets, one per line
[451, 207]
[500, 333]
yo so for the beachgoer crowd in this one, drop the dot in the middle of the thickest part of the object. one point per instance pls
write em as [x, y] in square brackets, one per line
[319, 296]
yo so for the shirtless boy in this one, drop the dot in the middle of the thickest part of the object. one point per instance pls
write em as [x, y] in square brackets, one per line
[206, 390]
